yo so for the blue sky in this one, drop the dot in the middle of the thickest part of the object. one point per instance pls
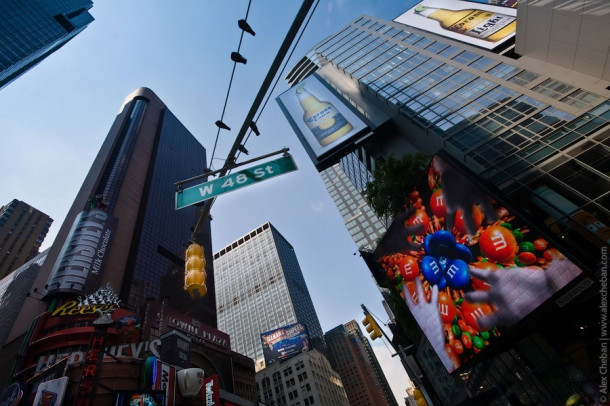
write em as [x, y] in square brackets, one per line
[54, 119]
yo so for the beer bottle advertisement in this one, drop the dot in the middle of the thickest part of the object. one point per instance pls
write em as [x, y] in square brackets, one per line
[321, 117]
[483, 25]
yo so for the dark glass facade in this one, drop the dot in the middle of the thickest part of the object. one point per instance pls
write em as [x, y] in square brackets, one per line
[162, 229]
[532, 134]
[32, 30]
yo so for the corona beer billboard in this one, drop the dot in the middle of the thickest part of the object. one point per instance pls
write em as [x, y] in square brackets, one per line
[467, 267]
[320, 119]
[483, 25]
[284, 342]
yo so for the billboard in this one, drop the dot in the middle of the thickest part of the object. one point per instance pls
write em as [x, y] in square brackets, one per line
[140, 398]
[321, 120]
[284, 342]
[467, 268]
[80, 264]
[477, 24]
[51, 392]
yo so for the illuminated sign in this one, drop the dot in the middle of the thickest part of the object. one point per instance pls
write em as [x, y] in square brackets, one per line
[103, 300]
[320, 119]
[140, 398]
[165, 380]
[72, 308]
[483, 25]
[135, 350]
[285, 342]
[91, 369]
[51, 393]
[194, 329]
[80, 264]
[211, 391]
[467, 268]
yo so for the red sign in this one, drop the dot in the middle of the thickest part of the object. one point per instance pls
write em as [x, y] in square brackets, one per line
[91, 369]
[166, 381]
[211, 391]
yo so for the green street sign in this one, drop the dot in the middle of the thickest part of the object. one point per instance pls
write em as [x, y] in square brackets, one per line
[234, 181]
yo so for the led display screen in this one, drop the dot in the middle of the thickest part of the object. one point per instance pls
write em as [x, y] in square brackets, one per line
[467, 278]
[478, 24]
[285, 342]
[140, 398]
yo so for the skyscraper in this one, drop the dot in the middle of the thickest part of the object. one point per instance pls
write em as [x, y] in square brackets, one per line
[349, 357]
[354, 328]
[532, 126]
[32, 30]
[363, 225]
[123, 228]
[22, 231]
[260, 287]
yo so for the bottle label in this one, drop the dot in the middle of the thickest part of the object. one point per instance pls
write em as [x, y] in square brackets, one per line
[322, 127]
[481, 24]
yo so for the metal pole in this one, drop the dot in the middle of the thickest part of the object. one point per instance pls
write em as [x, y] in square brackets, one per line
[292, 32]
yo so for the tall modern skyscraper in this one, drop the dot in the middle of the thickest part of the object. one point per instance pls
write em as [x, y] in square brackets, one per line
[22, 231]
[122, 228]
[532, 125]
[363, 225]
[32, 30]
[353, 328]
[349, 357]
[260, 287]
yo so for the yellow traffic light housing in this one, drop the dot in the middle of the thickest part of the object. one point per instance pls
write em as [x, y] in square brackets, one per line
[371, 327]
[195, 275]
[418, 396]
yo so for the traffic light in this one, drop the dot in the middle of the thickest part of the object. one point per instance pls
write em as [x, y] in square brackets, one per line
[371, 327]
[419, 397]
[194, 275]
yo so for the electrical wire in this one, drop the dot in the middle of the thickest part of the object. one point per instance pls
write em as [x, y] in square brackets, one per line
[282, 70]
[224, 108]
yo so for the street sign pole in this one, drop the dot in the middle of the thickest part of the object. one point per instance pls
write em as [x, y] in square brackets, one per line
[236, 180]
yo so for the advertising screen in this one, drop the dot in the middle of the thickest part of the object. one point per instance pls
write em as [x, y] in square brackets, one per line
[478, 24]
[467, 268]
[140, 398]
[284, 342]
[322, 122]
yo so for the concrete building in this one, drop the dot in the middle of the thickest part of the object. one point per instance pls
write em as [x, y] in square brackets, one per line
[303, 380]
[22, 231]
[260, 287]
[349, 357]
[31, 31]
[530, 124]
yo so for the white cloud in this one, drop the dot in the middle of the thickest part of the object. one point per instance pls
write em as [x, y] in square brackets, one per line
[318, 206]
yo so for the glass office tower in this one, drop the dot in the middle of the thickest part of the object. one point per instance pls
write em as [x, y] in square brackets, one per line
[529, 127]
[260, 287]
[363, 225]
[32, 30]
[535, 130]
